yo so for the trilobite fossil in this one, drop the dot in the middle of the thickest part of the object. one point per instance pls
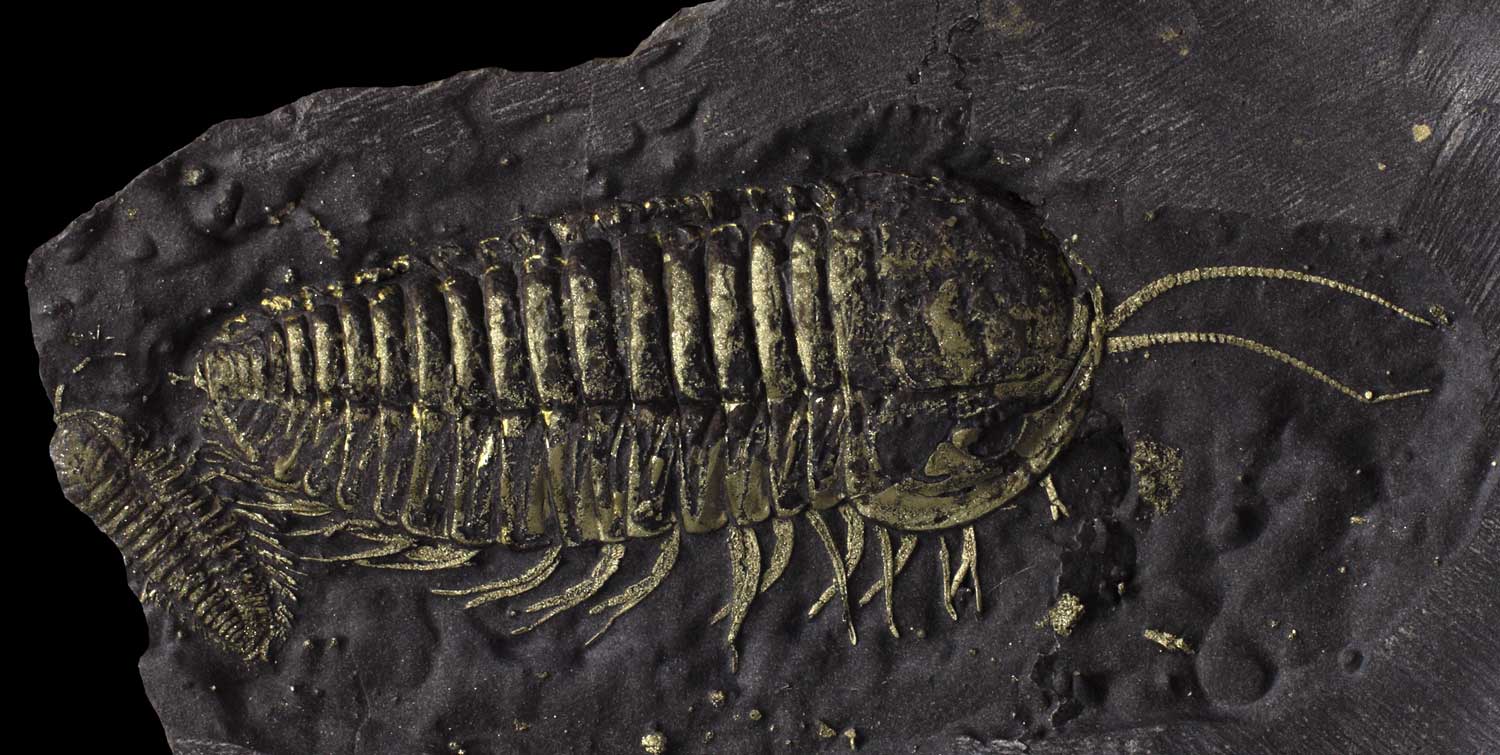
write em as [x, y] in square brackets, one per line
[908, 351]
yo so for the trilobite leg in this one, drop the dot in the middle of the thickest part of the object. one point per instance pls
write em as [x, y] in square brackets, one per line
[609, 561]
[840, 576]
[781, 551]
[854, 547]
[393, 457]
[945, 577]
[652, 488]
[825, 473]
[330, 529]
[364, 530]
[744, 571]
[631, 596]
[599, 484]
[237, 449]
[500, 589]
[271, 551]
[889, 566]
[588, 486]
[289, 456]
[234, 430]
[283, 503]
[1054, 501]
[388, 545]
[903, 554]
[968, 565]
[432, 465]
[783, 532]
[700, 461]
[746, 474]
[427, 558]
[354, 454]
[323, 453]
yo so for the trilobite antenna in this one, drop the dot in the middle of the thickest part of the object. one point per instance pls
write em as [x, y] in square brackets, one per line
[1161, 285]
[1117, 344]
[1133, 303]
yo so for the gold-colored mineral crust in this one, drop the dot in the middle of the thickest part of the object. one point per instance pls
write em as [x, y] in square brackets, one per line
[1158, 473]
[654, 743]
[1168, 640]
[1065, 614]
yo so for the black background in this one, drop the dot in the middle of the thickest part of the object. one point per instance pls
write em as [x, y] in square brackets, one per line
[107, 100]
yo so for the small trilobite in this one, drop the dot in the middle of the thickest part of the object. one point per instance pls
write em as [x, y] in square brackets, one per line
[189, 549]
[907, 351]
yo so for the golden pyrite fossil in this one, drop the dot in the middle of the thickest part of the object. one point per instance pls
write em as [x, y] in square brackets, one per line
[905, 351]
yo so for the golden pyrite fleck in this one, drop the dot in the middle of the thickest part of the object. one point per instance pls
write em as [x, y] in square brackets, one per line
[654, 743]
[1065, 613]
[1168, 640]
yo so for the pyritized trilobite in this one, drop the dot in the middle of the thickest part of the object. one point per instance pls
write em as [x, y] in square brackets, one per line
[908, 351]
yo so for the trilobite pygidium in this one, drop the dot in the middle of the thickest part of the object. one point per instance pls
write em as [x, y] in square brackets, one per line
[903, 350]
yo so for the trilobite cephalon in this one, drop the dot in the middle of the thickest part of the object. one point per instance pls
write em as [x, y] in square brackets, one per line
[904, 350]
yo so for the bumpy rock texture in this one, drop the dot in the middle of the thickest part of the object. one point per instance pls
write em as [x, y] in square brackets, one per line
[1324, 562]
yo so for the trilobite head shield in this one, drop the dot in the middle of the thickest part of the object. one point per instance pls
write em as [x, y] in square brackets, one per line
[87, 449]
[969, 347]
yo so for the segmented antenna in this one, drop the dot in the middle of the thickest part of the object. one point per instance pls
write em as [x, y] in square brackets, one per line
[1137, 300]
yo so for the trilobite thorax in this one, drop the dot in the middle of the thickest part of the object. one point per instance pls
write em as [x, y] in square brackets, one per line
[721, 357]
